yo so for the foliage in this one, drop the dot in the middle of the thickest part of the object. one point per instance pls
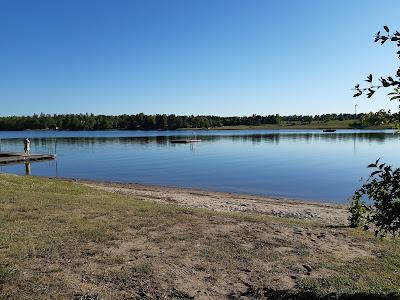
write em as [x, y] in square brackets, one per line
[152, 122]
[383, 185]
[378, 118]
[388, 82]
[357, 211]
[383, 188]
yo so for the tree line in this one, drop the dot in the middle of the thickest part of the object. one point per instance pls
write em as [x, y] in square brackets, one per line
[170, 122]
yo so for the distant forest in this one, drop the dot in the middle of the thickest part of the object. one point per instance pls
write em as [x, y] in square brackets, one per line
[171, 122]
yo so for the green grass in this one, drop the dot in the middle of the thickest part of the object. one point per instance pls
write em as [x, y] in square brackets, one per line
[63, 240]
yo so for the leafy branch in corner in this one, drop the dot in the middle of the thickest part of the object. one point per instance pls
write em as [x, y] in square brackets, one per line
[383, 189]
[390, 81]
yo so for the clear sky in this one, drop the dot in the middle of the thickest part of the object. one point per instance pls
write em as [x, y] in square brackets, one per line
[223, 57]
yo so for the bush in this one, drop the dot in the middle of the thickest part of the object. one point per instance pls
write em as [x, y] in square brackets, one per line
[382, 189]
[357, 211]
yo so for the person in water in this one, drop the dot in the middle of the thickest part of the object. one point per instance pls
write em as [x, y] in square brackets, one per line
[27, 146]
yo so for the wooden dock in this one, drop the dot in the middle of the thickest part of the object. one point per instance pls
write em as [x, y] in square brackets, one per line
[16, 157]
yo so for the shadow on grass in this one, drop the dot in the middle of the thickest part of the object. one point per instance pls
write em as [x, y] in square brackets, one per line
[270, 294]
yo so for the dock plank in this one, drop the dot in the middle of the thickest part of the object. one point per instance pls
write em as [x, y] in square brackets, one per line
[13, 157]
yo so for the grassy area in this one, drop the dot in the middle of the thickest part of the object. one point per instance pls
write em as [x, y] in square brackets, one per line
[334, 124]
[62, 240]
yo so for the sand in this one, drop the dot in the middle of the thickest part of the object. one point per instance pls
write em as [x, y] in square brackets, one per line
[326, 213]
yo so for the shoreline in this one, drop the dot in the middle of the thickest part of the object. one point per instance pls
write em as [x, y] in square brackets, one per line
[339, 125]
[261, 127]
[107, 240]
[325, 213]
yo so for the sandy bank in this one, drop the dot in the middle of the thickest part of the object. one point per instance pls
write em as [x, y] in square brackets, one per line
[325, 213]
[64, 240]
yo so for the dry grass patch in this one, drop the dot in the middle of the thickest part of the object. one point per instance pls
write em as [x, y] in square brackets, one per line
[63, 240]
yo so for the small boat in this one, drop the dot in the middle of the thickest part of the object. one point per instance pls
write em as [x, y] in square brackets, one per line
[329, 130]
[184, 141]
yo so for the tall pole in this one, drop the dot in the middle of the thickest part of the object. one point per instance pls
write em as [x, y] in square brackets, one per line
[355, 109]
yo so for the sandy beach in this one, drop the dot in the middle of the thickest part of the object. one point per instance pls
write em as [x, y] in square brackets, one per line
[75, 239]
[326, 213]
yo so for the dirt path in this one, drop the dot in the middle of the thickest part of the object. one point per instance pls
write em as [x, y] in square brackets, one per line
[329, 214]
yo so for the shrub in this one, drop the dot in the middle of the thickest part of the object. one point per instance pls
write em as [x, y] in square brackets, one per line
[357, 211]
[382, 189]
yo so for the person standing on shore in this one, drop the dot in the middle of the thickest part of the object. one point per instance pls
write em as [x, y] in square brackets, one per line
[27, 146]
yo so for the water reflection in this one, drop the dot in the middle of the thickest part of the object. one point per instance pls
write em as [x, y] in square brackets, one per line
[27, 168]
[307, 165]
[51, 143]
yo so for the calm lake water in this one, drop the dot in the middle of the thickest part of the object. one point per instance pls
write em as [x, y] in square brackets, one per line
[299, 164]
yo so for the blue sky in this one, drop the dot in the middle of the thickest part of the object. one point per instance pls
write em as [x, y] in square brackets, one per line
[192, 56]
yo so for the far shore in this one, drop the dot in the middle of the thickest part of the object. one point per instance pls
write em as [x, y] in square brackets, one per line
[314, 125]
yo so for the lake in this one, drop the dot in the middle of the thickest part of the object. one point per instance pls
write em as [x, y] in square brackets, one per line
[297, 164]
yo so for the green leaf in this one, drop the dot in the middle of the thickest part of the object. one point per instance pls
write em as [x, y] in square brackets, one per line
[375, 172]
[395, 97]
